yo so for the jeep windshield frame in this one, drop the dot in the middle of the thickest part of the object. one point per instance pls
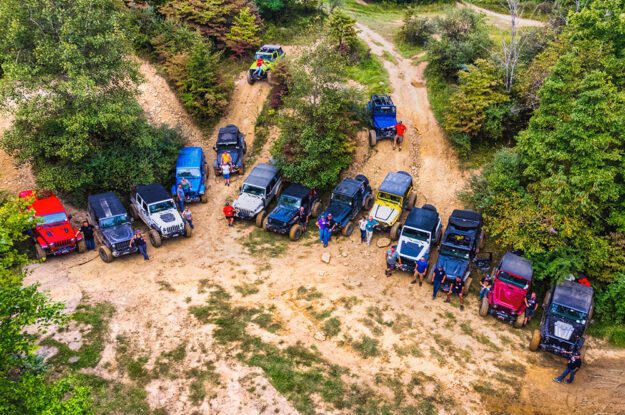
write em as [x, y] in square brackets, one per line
[161, 206]
[567, 312]
[290, 201]
[227, 145]
[384, 110]
[266, 56]
[113, 221]
[414, 233]
[513, 280]
[190, 172]
[341, 198]
[250, 189]
[455, 252]
[52, 218]
[388, 197]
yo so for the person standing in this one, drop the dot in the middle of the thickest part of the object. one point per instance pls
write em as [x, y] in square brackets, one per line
[180, 196]
[87, 233]
[186, 215]
[572, 367]
[322, 224]
[392, 260]
[439, 278]
[400, 130]
[371, 224]
[421, 268]
[139, 241]
[186, 186]
[362, 224]
[226, 158]
[225, 170]
[531, 304]
[229, 213]
[302, 218]
[486, 284]
[456, 287]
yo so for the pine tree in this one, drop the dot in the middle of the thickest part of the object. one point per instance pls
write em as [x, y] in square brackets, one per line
[342, 29]
[243, 35]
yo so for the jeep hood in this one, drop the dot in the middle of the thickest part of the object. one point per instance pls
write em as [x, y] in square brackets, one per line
[413, 248]
[236, 160]
[167, 218]
[121, 233]
[283, 213]
[248, 202]
[384, 121]
[508, 296]
[384, 213]
[564, 329]
[338, 210]
[453, 267]
[56, 233]
[194, 181]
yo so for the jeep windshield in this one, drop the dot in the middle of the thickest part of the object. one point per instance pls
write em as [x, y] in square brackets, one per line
[161, 206]
[454, 252]
[389, 197]
[342, 198]
[512, 280]
[384, 110]
[53, 218]
[568, 313]
[188, 172]
[286, 200]
[264, 56]
[113, 221]
[253, 190]
[230, 145]
[415, 234]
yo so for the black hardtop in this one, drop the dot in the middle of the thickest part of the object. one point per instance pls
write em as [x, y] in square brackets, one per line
[269, 48]
[106, 205]
[420, 218]
[573, 295]
[382, 100]
[228, 134]
[396, 183]
[261, 175]
[348, 187]
[296, 190]
[517, 265]
[465, 219]
[152, 193]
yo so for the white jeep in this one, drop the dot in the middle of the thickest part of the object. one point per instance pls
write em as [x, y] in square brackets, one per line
[258, 190]
[157, 210]
[419, 234]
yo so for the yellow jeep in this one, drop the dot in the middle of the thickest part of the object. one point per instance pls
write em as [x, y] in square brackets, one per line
[394, 195]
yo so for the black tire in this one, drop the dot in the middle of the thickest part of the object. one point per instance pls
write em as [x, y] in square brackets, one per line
[40, 253]
[260, 218]
[362, 178]
[155, 238]
[518, 322]
[484, 307]
[481, 243]
[242, 170]
[316, 209]
[373, 138]
[187, 230]
[133, 212]
[105, 254]
[368, 202]
[81, 246]
[535, 341]
[429, 207]
[348, 229]
[250, 79]
[394, 233]
[295, 233]
[467, 286]
[412, 200]
[204, 198]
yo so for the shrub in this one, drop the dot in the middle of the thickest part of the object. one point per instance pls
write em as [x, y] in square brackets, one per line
[417, 30]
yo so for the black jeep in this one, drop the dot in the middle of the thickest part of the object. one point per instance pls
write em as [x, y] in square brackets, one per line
[113, 229]
[567, 311]
[348, 198]
[231, 141]
[283, 218]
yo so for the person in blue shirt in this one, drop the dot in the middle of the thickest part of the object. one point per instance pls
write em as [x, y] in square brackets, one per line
[181, 197]
[371, 224]
[420, 269]
[392, 260]
[438, 279]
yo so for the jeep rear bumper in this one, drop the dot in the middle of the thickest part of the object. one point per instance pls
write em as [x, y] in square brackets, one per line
[502, 314]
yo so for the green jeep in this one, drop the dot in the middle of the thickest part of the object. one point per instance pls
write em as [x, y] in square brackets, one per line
[270, 54]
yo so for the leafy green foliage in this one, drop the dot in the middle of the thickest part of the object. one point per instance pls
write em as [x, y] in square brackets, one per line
[243, 35]
[416, 29]
[342, 31]
[610, 304]
[15, 220]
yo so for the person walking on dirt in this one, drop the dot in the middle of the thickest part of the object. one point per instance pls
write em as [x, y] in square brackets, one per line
[322, 224]
[87, 233]
[531, 304]
[186, 215]
[400, 130]
[229, 213]
[362, 224]
[420, 269]
[371, 224]
[180, 196]
[225, 170]
[392, 260]
[457, 287]
[186, 186]
[486, 283]
[139, 240]
[302, 218]
[572, 367]
[260, 62]
[439, 277]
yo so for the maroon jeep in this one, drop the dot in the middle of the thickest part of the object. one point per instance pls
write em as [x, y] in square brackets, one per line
[512, 281]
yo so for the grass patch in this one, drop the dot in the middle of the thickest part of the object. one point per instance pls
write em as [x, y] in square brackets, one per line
[204, 381]
[412, 348]
[246, 289]
[370, 72]
[264, 244]
[111, 397]
[332, 327]
[389, 57]
[134, 367]
[531, 9]
[377, 315]
[349, 302]
[372, 326]
[308, 294]
[165, 361]
[613, 334]
[439, 92]
[367, 347]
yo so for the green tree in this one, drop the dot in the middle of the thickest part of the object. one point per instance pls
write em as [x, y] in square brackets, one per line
[15, 220]
[417, 30]
[342, 30]
[243, 35]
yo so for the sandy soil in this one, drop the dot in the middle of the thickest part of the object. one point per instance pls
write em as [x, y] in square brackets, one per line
[500, 20]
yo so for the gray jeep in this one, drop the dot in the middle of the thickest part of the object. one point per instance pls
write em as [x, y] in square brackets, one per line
[258, 190]
[113, 229]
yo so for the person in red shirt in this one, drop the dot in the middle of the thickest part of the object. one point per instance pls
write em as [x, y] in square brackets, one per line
[229, 213]
[400, 130]
[260, 62]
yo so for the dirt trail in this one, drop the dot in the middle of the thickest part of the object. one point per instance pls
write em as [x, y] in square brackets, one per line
[502, 21]
[13, 178]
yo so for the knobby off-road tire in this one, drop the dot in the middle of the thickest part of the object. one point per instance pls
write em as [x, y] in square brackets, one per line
[295, 233]
[40, 253]
[187, 230]
[535, 341]
[484, 307]
[348, 229]
[204, 198]
[82, 246]
[412, 200]
[316, 209]
[105, 254]
[368, 203]
[155, 238]
[260, 218]
[373, 138]
[394, 233]
[518, 322]
[250, 80]
[133, 212]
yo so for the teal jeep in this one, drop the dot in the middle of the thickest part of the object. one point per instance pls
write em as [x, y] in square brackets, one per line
[270, 54]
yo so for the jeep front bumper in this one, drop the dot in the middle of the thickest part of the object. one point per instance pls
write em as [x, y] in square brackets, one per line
[278, 228]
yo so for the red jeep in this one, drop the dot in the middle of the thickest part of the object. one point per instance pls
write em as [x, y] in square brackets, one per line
[53, 234]
[512, 280]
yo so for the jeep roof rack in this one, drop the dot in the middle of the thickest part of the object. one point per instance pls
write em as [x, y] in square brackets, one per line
[573, 295]
[382, 100]
[152, 193]
[228, 134]
[106, 205]
[261, 175]
[517, 265]
[396, 183]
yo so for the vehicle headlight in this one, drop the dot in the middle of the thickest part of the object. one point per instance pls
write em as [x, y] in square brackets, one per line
[73, 239]
[52, 245]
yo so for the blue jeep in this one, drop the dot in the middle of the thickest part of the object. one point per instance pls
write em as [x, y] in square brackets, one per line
[461, 241]
[230, 140]
[348, 198]
[191, 165]
[382, 118]
[282, 218]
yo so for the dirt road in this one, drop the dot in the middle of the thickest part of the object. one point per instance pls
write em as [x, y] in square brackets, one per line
[502, 21]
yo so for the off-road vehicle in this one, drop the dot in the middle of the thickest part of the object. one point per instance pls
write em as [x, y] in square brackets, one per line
[283, 218]
[230, 140]
[382, 118]
[270, 54]
[157, 210]
[567, 311]
[191, 165]
[512, 281]
[348, 199]
[53, 234]
[394, 195]
[258, 190]
[113, 230]
[421, 231]
[461, 241]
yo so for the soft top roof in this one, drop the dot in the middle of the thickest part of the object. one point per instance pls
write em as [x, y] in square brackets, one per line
[396, 183]
[517, 265]
[465, 219]
[347, 187]
[228, 134]
[106, 205]
[574, 295]
[269, 48]
[420, 218]
[152, 193]
[189, 157]
[382, 100]
[296, 190]
[261, 175]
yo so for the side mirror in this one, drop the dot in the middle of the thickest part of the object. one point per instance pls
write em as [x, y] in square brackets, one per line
[69, 217]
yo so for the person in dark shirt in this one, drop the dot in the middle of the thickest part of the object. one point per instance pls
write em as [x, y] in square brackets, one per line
[572, 367]
[332, 224]
[531, 304]
[87, 233]
[302, 218]
[456, 287]
[486, 283]
[139, 241]
[438, 279]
